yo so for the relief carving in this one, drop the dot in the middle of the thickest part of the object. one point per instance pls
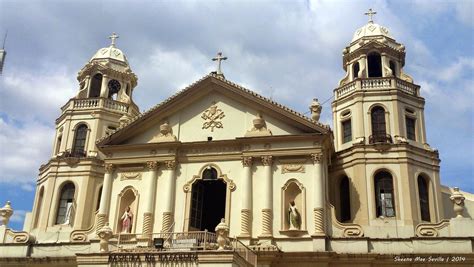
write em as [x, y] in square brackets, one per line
[212, 117]
[287, 168]
[131, 176]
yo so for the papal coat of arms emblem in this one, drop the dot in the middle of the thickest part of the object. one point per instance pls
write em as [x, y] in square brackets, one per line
[212, 117]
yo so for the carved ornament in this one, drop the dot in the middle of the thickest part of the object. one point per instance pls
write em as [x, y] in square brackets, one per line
[152, 165]
[109, 168]
[131, 176]
[317, 157]
[247, 161]
[287, 168]
[212, 117]
[259, 128]
[166, 133]
[170, 164]
[267, 160]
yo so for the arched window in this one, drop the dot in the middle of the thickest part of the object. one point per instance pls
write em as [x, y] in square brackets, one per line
[424, 199]
[66, 204]
[96, 84]
[384, 197]
[39, 207]
[375, 65]
[379, 133]
[79, 141]
[58, 144]
[393, 67]
[355, 70]
[345, 198]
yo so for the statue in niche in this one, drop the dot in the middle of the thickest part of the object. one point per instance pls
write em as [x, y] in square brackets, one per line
[127, 218]
[294, 217]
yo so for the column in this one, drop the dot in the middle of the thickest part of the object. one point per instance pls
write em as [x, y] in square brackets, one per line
[267, 215]
[169, 195]
[318, 194]
[149, 207]
[105, 198]
[103, 88]
[246, 212]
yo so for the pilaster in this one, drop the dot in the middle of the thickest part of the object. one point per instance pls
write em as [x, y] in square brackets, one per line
[170, 185]
[318, 197]
[267, 210]
[246, 211]
[102, 215]
[150, 181]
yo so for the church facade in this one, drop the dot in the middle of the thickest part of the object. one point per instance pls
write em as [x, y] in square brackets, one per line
[220, 175]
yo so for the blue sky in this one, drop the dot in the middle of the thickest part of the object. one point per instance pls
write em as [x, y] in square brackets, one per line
[289, 50]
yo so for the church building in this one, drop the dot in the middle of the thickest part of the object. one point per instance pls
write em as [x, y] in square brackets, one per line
[218, 175]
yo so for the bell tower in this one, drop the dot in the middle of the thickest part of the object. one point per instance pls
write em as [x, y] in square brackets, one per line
[384, 173]
[71, 182]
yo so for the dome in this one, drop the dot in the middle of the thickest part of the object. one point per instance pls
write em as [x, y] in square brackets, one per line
[110, 52]
[371, 30]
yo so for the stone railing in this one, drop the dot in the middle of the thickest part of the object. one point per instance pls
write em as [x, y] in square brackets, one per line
[93, 103]
[245, 252]
[367, 84]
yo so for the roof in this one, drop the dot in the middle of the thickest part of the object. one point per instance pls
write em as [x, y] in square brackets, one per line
[231, 86]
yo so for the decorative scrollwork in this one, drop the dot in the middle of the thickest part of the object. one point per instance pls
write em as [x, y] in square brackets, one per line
[267, 160]
[212, 117]
[109, 168]
[247, 161]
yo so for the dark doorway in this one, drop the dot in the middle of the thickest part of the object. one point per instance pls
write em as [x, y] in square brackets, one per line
[208, 199]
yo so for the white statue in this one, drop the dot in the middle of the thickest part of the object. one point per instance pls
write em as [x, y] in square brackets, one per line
[294, 217]
[127, 218]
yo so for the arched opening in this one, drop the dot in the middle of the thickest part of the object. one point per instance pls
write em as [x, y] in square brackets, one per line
[208, 201]
[98, 199]
[379, 132]
[384, 196]
[294, 206]
[78, 149]
[355, 70]
[58, 144]
[114, 88]
[65, 211]
[39, 207]
[423, 194]
[393, 67]
[126, 216]
[375, 65]
[96, 84]
[345, 198]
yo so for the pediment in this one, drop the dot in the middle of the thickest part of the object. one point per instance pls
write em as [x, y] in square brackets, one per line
[213, 109]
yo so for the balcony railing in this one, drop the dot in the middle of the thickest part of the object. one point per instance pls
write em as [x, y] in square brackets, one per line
[380, 139]
[367, 84]
[100, 102]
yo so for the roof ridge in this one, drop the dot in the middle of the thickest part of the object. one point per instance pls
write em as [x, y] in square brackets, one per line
[219, 77]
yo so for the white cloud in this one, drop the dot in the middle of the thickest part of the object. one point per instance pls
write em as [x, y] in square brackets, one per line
[23, 148]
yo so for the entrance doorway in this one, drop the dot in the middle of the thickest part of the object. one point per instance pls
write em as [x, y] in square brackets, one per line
[208, 199]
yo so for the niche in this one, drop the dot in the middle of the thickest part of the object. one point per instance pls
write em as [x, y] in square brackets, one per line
[293, 191]
[127, 198]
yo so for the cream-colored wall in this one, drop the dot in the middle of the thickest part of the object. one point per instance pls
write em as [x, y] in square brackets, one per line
[187, 123]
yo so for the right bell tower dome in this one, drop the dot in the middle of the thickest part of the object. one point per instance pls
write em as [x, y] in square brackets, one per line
[376, 101]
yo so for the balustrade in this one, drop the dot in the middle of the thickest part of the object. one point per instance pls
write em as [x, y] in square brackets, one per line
[376, 84]
[92, 103]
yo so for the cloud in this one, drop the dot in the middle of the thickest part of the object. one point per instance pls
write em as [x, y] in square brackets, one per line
[23, 148]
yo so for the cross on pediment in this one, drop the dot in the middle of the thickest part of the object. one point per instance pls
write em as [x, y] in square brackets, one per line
[370, 13]
[219, 58]
[113, 37]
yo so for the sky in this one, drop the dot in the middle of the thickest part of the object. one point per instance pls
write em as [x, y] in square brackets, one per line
[290, 51]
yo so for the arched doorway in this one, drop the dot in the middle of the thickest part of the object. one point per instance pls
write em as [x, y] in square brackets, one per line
[208, 201]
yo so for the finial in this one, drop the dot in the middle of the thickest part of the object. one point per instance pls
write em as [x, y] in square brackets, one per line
[370, 13]
[219, 58]
[113, 37]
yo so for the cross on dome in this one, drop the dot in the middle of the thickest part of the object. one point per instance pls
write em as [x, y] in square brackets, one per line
[113, 37]
[219, 58]
[370, 13]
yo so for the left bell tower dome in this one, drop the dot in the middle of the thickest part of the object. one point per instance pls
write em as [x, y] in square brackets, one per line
[70, 183]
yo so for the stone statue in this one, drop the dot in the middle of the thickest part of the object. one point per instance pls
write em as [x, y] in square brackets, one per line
[127, 219]
[294, 217]
[315, 109]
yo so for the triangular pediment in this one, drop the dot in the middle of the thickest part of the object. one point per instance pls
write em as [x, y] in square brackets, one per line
[213, 108]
